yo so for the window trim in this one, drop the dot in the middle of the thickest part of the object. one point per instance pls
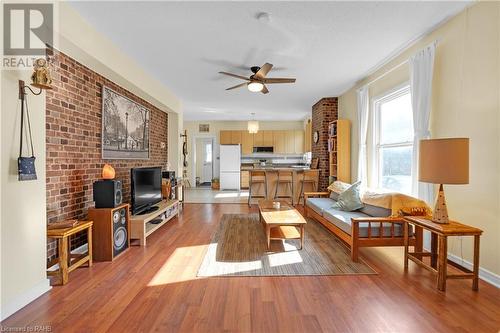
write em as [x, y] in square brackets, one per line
[388, 95]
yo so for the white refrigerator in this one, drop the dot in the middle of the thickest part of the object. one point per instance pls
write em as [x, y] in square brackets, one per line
[230, 166]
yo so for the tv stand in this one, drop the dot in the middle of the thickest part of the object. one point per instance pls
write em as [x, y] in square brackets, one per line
[149, 210]
[141, 225]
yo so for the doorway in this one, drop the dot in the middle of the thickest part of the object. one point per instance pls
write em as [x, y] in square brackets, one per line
[204, 161]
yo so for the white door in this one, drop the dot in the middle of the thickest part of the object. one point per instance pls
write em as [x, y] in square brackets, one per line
[207, 160]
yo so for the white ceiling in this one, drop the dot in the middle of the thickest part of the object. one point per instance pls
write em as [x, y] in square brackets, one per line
[327, 46]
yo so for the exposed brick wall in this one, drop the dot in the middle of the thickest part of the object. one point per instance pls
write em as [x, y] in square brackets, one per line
[323, 112]
[73, 137]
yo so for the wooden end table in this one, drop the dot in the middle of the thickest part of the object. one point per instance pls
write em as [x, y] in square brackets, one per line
[283, 223]
[64, 259]
[439, 249]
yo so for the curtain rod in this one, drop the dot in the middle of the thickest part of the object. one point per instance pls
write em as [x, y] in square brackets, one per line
[436, 42]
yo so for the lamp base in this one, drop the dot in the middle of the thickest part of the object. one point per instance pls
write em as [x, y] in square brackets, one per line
[440, 214]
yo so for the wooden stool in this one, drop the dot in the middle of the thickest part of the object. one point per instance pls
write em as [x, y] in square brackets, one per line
[66, 265]
[257, 177]
[308, 177]
[285, 178]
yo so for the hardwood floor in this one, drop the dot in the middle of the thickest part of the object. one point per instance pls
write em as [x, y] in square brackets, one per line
[156, 289]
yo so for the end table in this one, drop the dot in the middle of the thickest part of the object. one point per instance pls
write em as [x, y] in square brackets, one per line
[439, 249]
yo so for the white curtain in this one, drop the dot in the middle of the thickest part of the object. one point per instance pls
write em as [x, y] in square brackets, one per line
[421, 71]
[363, 107]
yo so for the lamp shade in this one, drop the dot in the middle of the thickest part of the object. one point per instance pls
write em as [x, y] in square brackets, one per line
[444, 161]
[253, 126]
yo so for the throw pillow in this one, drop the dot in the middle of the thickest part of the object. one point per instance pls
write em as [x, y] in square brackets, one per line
[349, 200]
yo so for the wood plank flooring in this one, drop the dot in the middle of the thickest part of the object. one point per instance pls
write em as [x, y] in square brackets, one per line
[156, 289]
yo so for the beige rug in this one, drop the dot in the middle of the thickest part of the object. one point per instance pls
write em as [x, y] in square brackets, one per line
[238, 248]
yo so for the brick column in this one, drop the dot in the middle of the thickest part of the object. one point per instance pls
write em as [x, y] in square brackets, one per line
[323, 112]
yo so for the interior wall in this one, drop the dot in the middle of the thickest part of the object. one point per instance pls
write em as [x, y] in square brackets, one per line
[192, 128]
[23, 218]
[465, 103]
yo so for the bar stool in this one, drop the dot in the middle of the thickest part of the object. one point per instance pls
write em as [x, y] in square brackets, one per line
[257, 177]
[308, 177]
[285, 178]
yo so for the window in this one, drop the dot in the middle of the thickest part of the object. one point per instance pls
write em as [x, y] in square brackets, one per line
[394, 141]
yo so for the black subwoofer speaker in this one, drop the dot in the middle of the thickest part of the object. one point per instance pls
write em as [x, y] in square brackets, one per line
[107, 193]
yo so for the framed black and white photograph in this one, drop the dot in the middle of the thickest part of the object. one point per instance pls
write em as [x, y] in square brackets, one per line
[125, 127]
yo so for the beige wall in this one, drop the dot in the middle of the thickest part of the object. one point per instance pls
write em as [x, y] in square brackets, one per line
[23, 219]
[216, 126]
[465, 103]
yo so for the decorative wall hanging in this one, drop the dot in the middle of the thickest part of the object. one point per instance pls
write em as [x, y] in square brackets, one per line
[125, 127]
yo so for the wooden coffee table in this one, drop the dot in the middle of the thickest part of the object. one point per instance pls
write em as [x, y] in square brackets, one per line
[283, 223]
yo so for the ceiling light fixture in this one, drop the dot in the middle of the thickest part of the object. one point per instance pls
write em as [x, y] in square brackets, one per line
[253, 125]
[255, 86]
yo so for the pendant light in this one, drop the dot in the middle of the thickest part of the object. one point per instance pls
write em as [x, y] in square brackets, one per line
[253, 125]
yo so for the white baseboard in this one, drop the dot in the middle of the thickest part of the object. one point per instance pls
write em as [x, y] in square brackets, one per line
[25, 298]
[484, 274]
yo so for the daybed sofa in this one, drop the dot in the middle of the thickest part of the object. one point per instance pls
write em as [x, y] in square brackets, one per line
[369, 226]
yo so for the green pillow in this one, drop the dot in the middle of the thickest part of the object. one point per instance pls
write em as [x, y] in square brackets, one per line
[349, 199]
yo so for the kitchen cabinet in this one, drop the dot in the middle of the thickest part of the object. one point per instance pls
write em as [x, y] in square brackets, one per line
[299, 141]
[290, 142]
[279, 142]
[267, 140]
[236, 137]
[246, 143]
[258, 139]
[308, 136]
[225, 137]
[245, 178]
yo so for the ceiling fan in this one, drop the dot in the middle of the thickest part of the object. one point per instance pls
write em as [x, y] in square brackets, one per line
[258, 80]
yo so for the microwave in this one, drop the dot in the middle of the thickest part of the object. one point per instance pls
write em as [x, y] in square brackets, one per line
[263, 149]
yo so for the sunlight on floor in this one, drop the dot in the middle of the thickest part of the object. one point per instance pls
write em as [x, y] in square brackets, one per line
[290, 256]
[181, 266]
[231, 195]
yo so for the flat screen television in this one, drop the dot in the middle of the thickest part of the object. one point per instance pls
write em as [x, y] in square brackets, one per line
[145, 189]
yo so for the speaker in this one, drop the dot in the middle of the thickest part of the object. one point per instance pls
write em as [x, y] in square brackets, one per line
[107, 193]
[110, 232]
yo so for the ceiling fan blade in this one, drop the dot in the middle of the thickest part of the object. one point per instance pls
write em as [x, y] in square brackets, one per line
[237, 86]
[278, 80]
[236, 76]
[262, 72]
[264, 90]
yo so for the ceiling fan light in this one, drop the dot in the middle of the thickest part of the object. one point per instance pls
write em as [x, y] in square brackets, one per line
[255, 86]
[253, 126]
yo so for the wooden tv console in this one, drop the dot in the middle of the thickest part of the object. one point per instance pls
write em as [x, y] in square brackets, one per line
[141, 226]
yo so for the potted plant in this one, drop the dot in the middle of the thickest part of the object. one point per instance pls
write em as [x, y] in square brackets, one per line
[215, 184]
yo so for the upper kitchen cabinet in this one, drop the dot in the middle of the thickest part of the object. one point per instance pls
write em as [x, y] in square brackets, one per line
[290, 142]
[225, 137]
[308, 136]
[258, 139]
[246, 143]
[267, 140]
[279, 142]
[299, 141]
[236, 137]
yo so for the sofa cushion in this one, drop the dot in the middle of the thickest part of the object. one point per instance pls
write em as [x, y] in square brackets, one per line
[375, 211]
[349, 199]
[342, 220]
[319, 204]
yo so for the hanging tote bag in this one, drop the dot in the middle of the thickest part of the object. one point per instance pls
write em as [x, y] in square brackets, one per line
[26, 165]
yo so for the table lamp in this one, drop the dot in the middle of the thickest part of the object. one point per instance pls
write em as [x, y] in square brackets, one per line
[443, 161]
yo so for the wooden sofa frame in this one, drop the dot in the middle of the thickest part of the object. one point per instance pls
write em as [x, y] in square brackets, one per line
[354, 241]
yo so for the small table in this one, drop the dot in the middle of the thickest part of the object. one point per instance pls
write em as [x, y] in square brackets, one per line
[283, 223]
[439, 249]
[64, 260]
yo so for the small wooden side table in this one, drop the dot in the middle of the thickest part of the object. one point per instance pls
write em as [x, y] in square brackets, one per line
[66, 265]
[439, 249]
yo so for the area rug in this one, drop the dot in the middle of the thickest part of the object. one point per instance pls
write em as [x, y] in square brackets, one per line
[238, 248]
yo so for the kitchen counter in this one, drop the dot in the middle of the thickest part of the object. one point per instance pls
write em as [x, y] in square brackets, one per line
[272, 180]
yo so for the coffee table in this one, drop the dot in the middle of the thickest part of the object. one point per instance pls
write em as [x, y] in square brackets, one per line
[283, 223]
